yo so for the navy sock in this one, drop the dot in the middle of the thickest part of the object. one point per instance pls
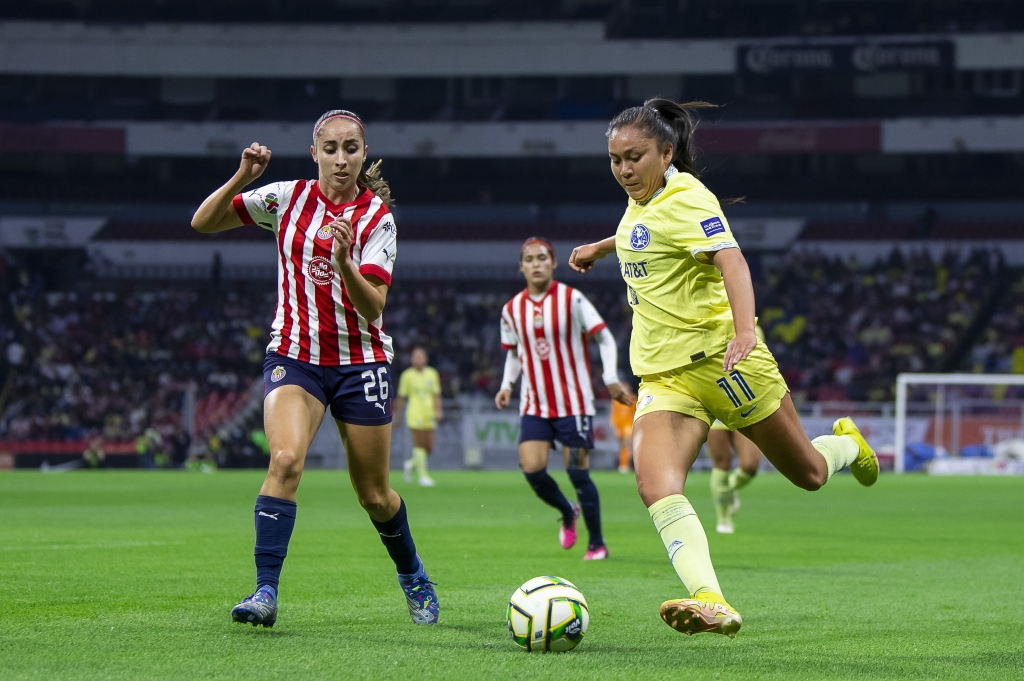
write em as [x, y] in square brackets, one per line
[590, 504]
[397, 539]
[275, 520]
[547, 489]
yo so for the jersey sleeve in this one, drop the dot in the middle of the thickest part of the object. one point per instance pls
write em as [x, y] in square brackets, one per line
[378, 254]
[262, 206]
[585, 314]
[403, 384]
[509, 339]
[703, 228]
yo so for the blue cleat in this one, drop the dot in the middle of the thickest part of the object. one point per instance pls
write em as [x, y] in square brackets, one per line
[420, 596]
[257, 608]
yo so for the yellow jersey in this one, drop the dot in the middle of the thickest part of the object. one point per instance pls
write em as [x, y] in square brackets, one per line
[681, 313]
[420, 389]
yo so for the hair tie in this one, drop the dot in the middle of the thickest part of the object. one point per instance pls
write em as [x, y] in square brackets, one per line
[338, 115]
[537, 240]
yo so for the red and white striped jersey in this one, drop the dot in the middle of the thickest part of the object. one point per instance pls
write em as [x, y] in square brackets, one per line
[316, 321]
[550, 337]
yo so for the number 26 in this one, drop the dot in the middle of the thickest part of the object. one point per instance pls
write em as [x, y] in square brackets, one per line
[372, 381]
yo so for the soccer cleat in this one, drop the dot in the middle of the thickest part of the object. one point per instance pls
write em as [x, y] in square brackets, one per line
[259, 608]
[600, 553]
[426, 481]
[725, 527]
[865, 467]
[420, 596]
[567, 534]
[407, 470]
[703, 612]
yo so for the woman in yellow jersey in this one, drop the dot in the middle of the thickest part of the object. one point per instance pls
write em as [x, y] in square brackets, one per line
[694, 348]
[419, 394]
[726, 483]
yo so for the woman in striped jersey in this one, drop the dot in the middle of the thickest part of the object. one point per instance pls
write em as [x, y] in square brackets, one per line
[336, 241]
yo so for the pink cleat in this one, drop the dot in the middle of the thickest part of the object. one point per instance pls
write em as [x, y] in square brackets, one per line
[600, 553]
[567, 535]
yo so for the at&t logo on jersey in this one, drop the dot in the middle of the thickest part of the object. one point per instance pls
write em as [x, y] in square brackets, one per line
[712, 226]
[277, 374]
[634, 270]
[320, 270]
[639, 238]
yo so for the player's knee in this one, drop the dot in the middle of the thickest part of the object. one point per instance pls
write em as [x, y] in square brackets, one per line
[649, 493]
[286, 464]
[374, 502]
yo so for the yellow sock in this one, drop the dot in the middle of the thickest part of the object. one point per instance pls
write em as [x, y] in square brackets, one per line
[419, 461]
[720, 493]
[738, 479]
[686, 542]
[839, 451]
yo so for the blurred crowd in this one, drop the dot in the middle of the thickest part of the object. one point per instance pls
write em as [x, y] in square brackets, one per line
[842, 330]
[120, 362]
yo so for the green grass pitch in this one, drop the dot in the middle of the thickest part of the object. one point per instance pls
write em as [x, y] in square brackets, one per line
[131, 575]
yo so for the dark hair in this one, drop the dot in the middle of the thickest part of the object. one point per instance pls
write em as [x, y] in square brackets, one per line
[537, 240]
[368, 177]
[669, 122]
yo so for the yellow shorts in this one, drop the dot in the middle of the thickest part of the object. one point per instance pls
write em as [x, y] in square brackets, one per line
[718, 425]
[421, 424]
[749, 393]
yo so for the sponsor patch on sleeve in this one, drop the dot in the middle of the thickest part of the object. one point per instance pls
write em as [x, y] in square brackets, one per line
[712, 226]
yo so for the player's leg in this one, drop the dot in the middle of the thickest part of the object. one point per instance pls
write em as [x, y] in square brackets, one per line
[625, 449]
[367, 450]
[748, 462]
[423, 444]
[576, 434]
[665, 445]
[809, 464]
[535, 437]
[720, 450]
[291, 418]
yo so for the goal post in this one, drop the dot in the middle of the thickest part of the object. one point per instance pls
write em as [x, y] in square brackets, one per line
[904, 382]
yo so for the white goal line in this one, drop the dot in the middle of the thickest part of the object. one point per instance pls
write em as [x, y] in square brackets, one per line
[904, 380]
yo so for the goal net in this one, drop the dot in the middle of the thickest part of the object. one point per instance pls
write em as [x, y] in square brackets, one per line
[960, 423]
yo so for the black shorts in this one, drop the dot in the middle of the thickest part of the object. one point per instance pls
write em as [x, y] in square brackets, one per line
[359, 394]
[571, 431]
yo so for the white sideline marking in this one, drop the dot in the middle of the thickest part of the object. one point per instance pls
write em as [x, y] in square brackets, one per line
[108, 545]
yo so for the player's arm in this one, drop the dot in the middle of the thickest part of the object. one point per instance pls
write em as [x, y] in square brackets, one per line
[399, 406]
[740, 290]
[583, 257]
[438, 402]
[216, 213]
[368, 292]
[609, 363]
[513, 367]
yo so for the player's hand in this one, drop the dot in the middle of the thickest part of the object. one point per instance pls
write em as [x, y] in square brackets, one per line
[503, 399]
[254, 161]
[439, 416]
[738, 349]
[344, 235]
[583, 257]
[620, 392]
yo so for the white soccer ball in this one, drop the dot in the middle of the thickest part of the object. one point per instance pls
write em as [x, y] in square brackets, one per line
[547, 614]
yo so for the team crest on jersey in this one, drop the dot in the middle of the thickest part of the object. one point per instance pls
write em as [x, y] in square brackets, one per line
[639, 238]
[320, 270]
[538, 320]
[270, 203]
[324, 232]
[277, 374]
[543, 348]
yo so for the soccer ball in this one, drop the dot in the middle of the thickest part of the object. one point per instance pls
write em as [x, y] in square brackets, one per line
[547, 614]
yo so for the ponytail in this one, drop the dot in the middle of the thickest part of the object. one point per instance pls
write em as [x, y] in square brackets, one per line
[669, 122]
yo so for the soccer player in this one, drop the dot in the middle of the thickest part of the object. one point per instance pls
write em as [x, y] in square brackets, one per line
[336, 242]
[695, 350]
[725, 483]
[544, 331]
[622, 424]
[419, 388]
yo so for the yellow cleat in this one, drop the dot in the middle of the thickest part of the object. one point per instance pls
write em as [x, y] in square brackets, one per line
[703, 612]
[865, 468]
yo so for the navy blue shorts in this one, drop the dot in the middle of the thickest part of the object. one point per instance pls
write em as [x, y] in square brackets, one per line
[571, 431]
[359, 394]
